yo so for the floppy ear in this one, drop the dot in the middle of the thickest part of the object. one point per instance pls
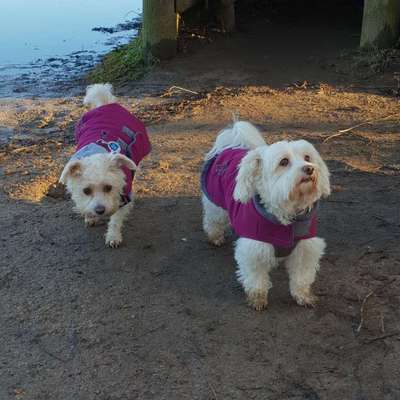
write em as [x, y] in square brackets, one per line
[249, 169]
[324, 185]
[72, 169]
[123, 161]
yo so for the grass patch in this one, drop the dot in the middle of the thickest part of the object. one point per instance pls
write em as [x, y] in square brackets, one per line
[125, 63]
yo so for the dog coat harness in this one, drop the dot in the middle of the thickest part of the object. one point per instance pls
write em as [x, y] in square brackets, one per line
[112, 129]
[251, 220]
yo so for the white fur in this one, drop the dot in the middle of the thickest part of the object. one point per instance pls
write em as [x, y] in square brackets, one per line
[99, 172]
[284, 193]
[241, 134]
[99, 94]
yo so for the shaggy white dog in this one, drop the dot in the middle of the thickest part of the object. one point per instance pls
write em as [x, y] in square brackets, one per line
[269, 195]
[111, 142]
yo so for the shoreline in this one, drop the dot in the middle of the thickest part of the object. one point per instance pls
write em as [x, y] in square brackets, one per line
[62, 75]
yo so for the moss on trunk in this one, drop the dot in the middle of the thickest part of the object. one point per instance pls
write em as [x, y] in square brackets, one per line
[160, 28]
[381, 23]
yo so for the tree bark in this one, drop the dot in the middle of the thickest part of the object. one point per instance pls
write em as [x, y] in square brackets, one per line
[183, 5]
[381, 23]
[160, 28]
[228, 15]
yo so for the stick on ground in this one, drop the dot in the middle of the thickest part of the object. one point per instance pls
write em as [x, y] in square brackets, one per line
[343, 131]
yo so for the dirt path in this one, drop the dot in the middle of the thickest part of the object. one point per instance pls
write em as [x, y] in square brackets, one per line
[163, 317]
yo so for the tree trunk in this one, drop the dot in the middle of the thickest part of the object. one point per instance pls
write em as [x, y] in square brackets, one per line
[183, 5]
[160, 28]
[381, 23]
[227, 15]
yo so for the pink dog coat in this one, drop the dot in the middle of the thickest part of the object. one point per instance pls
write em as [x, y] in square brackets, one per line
[251, 220]
[112, 128]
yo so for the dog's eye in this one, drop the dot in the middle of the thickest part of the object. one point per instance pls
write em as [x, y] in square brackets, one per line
[87, 191]
[284, 162]
[307, 158]
[107, 188]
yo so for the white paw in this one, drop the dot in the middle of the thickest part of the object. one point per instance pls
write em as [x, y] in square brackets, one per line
[114, 244]
[217, 241]
[305, 297]
[258, 299]
[113, 240]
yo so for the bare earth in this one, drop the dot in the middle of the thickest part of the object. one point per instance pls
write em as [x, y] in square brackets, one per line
[163, 316]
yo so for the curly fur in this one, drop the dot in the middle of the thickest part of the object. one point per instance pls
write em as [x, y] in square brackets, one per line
[285, 191]
[99, 173]
[98, 95]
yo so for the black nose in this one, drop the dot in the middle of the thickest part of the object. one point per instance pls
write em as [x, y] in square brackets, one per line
[308, 169]
[100, 210]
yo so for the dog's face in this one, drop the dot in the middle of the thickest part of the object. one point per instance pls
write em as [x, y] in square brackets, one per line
[288, 176]
[96, 183]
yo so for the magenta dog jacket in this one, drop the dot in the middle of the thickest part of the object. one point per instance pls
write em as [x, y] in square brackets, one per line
[251, 220]
[112, 128]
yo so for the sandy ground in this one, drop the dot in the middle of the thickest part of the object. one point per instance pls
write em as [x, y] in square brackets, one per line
[163, 316]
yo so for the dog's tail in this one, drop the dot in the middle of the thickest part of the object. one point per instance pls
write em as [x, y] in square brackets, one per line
[241, 134]
[99, 94]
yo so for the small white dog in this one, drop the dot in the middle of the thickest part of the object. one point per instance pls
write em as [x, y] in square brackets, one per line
[269, 195]
[111, 143]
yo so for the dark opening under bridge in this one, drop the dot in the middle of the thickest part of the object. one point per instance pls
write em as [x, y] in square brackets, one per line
[161, 18]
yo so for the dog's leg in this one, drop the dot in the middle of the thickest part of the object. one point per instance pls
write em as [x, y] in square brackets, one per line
[302, 266]
[255, 260]
[215, 222]
[114, 229]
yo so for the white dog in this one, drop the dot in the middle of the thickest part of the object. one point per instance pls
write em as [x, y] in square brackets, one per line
[111, 142]
[269, 195]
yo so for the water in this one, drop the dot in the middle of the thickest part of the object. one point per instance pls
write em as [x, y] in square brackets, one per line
[46, 44]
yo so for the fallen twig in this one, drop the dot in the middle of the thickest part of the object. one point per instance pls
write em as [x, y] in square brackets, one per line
[24, 148]
[246, 389]
[385, 221]
[343, 201]
[343, 131]
[382, 323]
[388, 335]
[183, 89]
[365, 301]
[49, 353]
[157, 328]
[213, 390]
[302, 85]
[362, 310]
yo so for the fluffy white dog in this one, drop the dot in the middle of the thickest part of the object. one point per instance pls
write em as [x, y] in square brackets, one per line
[111, 142]
[269, 195]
